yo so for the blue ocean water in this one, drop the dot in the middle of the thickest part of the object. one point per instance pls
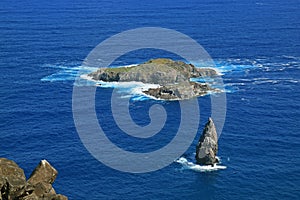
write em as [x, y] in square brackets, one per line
[254, 43]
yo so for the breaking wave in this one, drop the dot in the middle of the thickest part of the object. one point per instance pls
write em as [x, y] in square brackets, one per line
[186, 165]
[236, 75]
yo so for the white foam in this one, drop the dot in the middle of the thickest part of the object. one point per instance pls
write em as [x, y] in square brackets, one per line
[86, 77]
[293, 81]
[290, 57]
[131, 65]
[134, 88]
[199, 168]
[266, 82]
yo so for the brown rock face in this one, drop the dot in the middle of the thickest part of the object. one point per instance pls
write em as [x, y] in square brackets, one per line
[12, 179]
[44, 172]
[13, 185]
[207, 147]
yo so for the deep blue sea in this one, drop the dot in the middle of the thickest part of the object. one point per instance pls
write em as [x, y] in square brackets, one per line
[254, 43]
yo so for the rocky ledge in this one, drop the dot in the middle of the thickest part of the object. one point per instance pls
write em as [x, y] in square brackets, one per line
[172, 76]
[13, 184]
[207, 147]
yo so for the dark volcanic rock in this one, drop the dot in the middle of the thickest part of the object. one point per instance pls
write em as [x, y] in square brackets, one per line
[13, 185]
[105, 75]
[179, 91]
[207, 147]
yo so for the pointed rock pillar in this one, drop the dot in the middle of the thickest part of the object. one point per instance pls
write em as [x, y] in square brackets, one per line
[207, 147]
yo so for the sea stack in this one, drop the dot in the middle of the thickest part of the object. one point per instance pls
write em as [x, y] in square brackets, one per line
[207, 146]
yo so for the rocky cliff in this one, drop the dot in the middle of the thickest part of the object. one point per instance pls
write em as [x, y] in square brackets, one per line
[13, 184]
[207, 147]
[173, 76]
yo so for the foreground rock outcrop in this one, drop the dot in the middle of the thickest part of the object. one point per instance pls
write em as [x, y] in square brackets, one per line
[207, 147]
[13, 184]
[173, 77]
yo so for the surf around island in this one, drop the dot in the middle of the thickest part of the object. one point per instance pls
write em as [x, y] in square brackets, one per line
[159, 78]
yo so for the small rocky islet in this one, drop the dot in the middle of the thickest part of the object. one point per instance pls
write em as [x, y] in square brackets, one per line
[173, 78]
[14, 186]
[207, 147]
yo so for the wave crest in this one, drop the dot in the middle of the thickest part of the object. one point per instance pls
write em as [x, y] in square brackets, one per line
[198, 168]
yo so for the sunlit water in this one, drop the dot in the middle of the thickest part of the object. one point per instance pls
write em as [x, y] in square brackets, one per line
[255, 45]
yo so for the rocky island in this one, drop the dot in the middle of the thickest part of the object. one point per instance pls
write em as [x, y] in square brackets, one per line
[207, 146]
[173, 78]
[13, 184]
